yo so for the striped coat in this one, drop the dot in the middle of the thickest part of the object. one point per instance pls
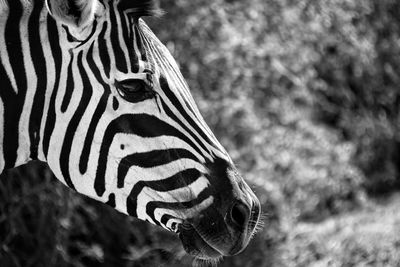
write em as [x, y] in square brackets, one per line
[89, 89]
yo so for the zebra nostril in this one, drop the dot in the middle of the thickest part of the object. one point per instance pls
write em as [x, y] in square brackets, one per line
[239, 215]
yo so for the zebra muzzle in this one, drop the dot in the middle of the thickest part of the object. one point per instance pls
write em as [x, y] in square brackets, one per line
[214, 234]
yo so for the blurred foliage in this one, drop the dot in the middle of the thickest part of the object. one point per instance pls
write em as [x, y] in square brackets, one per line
[303, 94]
[363, 238]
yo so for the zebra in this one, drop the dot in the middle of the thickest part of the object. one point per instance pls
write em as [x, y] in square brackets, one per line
[89, 89]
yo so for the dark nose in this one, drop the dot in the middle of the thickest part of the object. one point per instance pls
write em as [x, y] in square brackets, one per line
[239, 215]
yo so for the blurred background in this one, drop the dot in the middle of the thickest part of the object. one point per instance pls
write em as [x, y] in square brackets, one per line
[303, 94]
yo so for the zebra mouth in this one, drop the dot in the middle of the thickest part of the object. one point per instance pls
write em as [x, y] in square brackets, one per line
[197, 244]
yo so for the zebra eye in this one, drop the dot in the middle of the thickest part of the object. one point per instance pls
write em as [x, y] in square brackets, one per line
[134, 90]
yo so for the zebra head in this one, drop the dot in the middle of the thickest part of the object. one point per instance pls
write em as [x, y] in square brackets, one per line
[127, 131]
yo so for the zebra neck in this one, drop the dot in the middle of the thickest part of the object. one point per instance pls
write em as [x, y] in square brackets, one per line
[24, 84]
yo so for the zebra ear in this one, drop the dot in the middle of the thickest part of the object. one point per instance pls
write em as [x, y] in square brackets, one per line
[74, 13]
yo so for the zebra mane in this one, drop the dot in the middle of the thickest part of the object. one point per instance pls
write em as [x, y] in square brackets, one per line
[141, 8]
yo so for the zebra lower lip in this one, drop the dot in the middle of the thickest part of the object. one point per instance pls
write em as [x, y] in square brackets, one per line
[195, 244]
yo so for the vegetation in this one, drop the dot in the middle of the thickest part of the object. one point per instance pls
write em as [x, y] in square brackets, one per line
[305, 97]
